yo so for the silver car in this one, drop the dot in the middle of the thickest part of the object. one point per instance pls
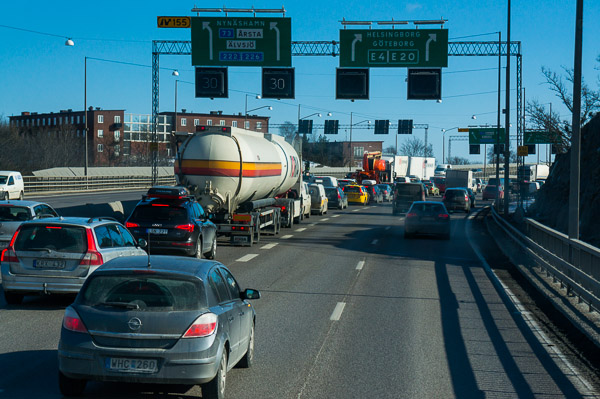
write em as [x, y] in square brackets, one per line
[56, 255]
[157, 319]
[14, 213]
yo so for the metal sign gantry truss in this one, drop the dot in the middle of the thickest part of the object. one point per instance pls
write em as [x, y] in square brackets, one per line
[332, 49]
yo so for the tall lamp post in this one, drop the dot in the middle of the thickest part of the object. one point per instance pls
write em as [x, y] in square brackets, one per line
[351, 149]
[85, 121]
[254, 109]
[444, 142]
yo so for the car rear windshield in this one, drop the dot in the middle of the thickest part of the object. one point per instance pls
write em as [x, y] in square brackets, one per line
[332, 193]
[428, 208]
[159, 212]
[455, 193]
[9, 213]
[409, 189]
[439, 180]
[352, 189]
[32, 237]
[143, 292]
[491, 188]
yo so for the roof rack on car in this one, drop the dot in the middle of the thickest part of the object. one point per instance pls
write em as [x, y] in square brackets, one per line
[101, 218]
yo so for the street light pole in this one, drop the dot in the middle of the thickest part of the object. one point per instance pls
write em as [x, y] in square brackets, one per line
[175, 119]
[85, 121]
[507, 122]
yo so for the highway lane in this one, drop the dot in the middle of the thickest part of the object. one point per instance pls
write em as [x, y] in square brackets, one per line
[349, 310]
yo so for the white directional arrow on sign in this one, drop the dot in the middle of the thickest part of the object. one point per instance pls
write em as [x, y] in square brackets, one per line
[432, 37]
[357, 38]
[206, 25]
[273, 26]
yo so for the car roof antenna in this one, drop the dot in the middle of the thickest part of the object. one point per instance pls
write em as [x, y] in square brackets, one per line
[148, 246]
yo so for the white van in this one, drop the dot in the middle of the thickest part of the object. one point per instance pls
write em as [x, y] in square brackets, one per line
[326, 181]
[11, 185]
[440, 170]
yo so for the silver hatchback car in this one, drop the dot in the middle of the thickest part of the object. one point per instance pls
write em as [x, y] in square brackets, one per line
[14, 213]
[158, 319]
[56, 255]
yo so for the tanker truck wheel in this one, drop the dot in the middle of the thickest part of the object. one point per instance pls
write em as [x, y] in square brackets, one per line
[198, 253]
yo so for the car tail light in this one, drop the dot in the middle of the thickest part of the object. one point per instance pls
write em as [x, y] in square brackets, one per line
[466, 197]
[187, 227]
[9, 254]
[72, 321]
[339, 196]
[160, 204]
[131, 224]
[92, 257]
[443, 216]
[282, 209]
[204, 326]
[411, 215]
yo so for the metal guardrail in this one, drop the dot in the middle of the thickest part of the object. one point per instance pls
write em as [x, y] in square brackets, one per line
[34, 184]
[575, 264]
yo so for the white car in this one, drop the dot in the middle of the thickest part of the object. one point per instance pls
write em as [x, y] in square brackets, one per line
[11, 185]
[318, 198]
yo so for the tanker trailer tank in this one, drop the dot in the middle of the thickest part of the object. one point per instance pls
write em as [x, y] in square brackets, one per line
[227, 167]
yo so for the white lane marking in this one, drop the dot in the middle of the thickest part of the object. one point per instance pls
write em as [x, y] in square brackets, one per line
[269, 246]
[566, 367]
[287, 236]
[360, 265]
[324, 219]
[335, 216]
[356, 210]
[337, 312]
[389, 227]
[312, 225]
[374, 242]
[301, 229]
[247, 257]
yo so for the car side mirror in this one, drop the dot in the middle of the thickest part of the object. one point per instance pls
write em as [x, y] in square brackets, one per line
[250, 294]
[142, 243]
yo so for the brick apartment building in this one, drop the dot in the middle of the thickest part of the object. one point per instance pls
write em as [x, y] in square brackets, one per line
[119, 138]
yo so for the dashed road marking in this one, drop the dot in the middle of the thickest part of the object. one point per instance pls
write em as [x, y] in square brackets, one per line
[269, 246]
[301, 229]
[335, 216]
[247, 257]
[287, 236]
[312, 225]
[325, 219]
[337, 312]
[356, 210]
[360, 265]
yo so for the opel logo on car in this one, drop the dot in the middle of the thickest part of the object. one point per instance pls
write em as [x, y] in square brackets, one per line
[156, 224]
[134, 324]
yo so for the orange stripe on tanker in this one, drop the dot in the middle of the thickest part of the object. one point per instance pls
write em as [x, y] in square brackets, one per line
[228, 168]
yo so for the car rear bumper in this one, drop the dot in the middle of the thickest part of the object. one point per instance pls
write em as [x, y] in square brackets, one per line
[427, 228]
[177, 365]
[40, 284]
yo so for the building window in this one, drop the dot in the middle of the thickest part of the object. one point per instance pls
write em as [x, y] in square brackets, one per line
[54, 121]
[78, 119]
[209, 122]
[60, 120]
[100, 133]
[258, 125]
[38, 121]
[117, 149]
[233, 123]
[222, 122]
[359, 151]
[100, 118]
[100, 147]
[196, 122]
[43, 121]
[183, 122]
[72, 120]
[247, 125]
[117, 119]
[117, 135]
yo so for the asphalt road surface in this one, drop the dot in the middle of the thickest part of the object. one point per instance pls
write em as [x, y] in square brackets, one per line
[349, 309]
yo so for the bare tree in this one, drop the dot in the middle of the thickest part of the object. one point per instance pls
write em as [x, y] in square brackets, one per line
[458, 161]
[288, 130]
[415, 147]
[540, 117]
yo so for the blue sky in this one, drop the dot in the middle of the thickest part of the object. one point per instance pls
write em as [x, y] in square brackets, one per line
[38, 73]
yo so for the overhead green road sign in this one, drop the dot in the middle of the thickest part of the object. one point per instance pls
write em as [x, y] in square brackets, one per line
[393, 48]
[537, 137]
[243, 41]
[486, 135]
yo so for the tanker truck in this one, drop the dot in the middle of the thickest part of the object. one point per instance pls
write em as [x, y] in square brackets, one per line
[248, 182]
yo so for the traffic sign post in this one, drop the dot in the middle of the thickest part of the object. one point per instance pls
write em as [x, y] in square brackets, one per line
[394, 48]
[278, 83]
[211, 83]
[537, 137]
[331, 126]
[486, 135]
[173, 22]
[241, 41]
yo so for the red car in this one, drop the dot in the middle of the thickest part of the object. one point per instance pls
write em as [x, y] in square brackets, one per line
[440, 183]
[490, 192]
